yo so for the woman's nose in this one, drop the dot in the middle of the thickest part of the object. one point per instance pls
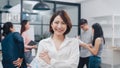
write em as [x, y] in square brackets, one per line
[59, 25]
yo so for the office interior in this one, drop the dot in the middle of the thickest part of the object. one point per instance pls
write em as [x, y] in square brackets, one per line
[105, 12]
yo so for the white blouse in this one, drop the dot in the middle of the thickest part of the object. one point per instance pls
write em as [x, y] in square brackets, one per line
[66, 57]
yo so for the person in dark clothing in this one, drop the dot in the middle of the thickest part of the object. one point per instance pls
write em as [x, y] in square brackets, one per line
[12, 48]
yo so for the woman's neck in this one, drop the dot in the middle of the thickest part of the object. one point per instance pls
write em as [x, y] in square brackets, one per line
[25, 30]
[60, 38]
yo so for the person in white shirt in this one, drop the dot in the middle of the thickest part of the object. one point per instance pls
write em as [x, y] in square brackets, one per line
[58, 51]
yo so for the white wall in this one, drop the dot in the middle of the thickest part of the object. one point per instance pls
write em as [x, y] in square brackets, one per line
[92, 8]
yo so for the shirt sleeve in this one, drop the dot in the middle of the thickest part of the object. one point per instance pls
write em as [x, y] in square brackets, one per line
[72, 61]
[80, 42]
[20, 44]
[37, 62]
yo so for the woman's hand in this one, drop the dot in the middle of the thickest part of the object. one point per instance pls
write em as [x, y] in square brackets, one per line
[18, 62]
[34, 46]
[44, 56]
[90, 45]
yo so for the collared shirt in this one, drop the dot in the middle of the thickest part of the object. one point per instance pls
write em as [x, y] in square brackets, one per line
[66, 57]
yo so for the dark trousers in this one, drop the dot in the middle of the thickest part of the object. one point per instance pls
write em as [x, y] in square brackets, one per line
[94, 62]
[83, 61]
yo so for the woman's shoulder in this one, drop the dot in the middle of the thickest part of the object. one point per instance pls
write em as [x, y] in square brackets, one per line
[17, 36]
[16, 33]
[99, 39]
[73, 42]
[73, 39]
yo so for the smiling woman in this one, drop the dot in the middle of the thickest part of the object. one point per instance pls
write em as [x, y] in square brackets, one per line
[58, 51]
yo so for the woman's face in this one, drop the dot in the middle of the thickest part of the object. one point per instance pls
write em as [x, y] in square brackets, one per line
[58, 26]
[27, 26]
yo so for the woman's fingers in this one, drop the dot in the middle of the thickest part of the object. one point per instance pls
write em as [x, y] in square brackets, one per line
[17, 62]
[44, 52]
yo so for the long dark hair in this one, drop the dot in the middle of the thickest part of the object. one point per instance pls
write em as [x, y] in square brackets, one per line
[6, 28]
[23, 23]
[98, 32]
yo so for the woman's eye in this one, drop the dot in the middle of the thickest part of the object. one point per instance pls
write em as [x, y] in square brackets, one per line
[56, 22]
[63, 23]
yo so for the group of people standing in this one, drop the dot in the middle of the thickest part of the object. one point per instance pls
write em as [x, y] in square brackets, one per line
[57, 51]
[15, 48]
[91, 55]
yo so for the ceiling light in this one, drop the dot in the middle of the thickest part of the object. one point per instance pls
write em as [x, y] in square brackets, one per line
[7, 6]
[41, 6]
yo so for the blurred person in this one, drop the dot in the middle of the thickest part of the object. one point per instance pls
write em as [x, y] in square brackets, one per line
[25, 26]
[58, 51]
[97, 46]
[12, 48]
[86, 37]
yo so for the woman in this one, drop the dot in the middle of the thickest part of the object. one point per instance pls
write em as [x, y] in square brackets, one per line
[12, 48]
[96, 49]
[28, 48]
[58, 51]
